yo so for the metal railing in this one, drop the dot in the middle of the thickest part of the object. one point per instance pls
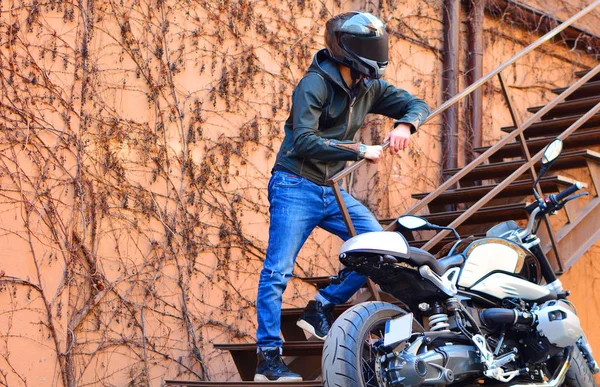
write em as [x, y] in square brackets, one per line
[518, 132]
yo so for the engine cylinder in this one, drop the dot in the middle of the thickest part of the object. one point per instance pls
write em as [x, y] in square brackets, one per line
[558, 322]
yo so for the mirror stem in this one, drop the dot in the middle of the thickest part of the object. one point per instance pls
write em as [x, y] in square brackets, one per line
[455, 233]
[448, 228]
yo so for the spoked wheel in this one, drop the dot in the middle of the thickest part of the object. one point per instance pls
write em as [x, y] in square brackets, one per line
[369, 353]
[349, 354]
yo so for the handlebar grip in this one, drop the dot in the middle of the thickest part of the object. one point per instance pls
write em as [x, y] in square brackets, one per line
[531, 207]
[569, 191]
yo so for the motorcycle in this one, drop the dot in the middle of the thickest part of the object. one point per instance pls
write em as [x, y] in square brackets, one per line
[479, 315]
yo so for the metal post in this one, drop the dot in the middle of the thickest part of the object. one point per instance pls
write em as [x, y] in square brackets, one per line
[450, 81]
[476, 16]
[532, 171]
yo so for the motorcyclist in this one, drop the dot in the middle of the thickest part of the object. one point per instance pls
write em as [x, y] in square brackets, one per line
[329, 104]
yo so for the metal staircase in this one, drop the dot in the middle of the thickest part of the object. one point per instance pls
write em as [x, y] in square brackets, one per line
[502, 171]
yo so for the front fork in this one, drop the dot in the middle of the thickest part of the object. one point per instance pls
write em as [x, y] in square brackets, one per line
[586, 349]
[553, 284]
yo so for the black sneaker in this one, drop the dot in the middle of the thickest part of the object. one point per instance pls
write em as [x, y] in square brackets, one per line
[271, 368]
[316, 319]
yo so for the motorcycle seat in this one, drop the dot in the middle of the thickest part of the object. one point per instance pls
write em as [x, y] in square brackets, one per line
[422, 257]
[451, 261]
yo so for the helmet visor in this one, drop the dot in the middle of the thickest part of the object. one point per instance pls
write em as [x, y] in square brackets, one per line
[369, 47]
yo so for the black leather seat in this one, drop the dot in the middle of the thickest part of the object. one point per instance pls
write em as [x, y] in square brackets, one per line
[447, 263]
[422, 257]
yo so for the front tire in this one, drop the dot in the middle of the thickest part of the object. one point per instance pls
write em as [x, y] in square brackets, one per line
[348, 354]
[579, 374]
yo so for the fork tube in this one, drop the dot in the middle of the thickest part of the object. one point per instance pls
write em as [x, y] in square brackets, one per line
[546, 269]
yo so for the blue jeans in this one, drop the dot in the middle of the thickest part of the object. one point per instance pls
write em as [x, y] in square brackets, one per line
[297, 206]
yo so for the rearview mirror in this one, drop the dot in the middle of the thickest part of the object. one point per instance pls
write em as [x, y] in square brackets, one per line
[552, 151]
[411, 222]
[550, 155]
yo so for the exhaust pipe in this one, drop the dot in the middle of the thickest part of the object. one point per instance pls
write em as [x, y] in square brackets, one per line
[559, 375]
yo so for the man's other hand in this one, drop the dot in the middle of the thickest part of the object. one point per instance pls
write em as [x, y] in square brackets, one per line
[399, 138]
[373, 153]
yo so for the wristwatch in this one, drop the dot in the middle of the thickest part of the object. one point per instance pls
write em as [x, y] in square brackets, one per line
[362, 149]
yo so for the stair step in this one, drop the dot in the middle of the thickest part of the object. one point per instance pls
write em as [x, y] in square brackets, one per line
[290, 331]
[581, 73]
[193, 383]
[244, 357]
[577, 140]
[289, 316]
[568, 160]
[515, 211]
[555, 126]
[322, 282]
[290, 348]
[568, 108]
[517, 188]
[588, 89]
[421, 242]
[319, 282]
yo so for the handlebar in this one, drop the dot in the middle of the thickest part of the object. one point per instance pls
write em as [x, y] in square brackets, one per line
[550, 204]
[555, 202]
[530, 207]
[556, 199]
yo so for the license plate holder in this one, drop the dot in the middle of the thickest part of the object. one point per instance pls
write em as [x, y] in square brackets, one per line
[397, 330]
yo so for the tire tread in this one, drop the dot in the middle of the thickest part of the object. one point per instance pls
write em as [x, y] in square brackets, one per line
[342, 363]
[579, 374]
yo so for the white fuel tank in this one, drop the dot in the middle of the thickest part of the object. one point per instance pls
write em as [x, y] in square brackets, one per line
[501, 268]
[500, 285]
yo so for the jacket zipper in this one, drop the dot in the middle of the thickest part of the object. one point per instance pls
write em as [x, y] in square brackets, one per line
[349, 117]
[352, 102]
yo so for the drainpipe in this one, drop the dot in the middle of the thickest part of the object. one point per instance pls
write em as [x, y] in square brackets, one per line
[475, 71]
[450, 82]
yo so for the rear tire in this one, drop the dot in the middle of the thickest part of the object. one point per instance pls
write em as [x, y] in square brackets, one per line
[348, 356]
[579, 374]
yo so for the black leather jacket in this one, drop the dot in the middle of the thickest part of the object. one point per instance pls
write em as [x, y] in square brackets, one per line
[326, 114]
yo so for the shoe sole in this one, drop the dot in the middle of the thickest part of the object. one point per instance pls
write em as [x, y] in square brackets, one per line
[263, 378]
[309, 328]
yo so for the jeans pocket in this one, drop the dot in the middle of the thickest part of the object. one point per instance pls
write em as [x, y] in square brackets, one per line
[285, 179]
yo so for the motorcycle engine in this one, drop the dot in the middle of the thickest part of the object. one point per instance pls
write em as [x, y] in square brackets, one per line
[541, 332]
[557, 327]
[558, 322]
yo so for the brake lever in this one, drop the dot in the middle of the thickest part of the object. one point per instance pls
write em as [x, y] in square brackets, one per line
[574, 197]
[562, 204]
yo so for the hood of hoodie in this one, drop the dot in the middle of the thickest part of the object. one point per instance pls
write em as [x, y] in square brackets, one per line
[328, 68]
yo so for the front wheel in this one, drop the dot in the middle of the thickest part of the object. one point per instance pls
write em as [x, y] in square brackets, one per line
[348, 354]
[579, 374]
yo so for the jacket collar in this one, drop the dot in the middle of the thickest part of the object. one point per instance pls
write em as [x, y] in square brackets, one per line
[325, 66]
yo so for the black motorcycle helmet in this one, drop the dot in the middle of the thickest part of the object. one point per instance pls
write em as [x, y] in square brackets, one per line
[358, 40]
